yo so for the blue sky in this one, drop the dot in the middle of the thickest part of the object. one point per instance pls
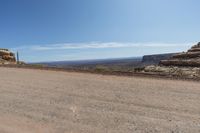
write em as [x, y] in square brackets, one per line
[47, 30]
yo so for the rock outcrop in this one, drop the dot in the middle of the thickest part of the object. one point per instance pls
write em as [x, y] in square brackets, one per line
[7, 57]
[174, 71]
[191, 58]
[183, 65]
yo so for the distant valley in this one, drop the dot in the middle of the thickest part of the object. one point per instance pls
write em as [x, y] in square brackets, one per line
[118, 64]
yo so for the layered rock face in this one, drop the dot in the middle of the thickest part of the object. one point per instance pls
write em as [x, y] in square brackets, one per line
[174, 71]
[7, 57]
[183, 65]
[191, 58]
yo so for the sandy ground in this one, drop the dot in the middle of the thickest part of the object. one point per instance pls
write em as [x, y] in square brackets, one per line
[39, 101]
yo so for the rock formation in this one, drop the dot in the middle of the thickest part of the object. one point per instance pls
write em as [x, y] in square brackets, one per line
[191, 58]
[183, 65]
[7, 57]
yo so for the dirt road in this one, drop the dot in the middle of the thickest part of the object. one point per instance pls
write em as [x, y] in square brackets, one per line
[39, 101]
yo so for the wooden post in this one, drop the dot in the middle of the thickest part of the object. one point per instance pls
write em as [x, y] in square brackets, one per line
[17, 57]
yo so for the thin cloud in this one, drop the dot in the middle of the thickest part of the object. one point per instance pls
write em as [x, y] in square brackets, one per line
[97, 45]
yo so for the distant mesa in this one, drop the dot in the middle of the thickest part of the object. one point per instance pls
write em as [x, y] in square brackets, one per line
[190, 58]
[7, 57]
[155, 59]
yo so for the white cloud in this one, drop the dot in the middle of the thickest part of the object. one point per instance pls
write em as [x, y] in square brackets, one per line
[98, 45]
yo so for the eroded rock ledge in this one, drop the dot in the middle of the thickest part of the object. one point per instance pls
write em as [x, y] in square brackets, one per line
[7, 57]
[185, 64]
[173, 71]
[191, 58]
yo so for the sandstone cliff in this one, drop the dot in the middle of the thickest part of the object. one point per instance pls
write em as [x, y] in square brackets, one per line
[183, 65]
[7, 57]
[190, 58]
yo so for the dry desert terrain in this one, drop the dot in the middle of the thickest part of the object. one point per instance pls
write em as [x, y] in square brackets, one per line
[41, 101]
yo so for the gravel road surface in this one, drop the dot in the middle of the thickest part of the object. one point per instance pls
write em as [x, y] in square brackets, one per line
[41, 101]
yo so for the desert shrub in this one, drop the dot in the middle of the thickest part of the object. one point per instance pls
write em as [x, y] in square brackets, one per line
[138, 69]
[101, 69]
[37, 65]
